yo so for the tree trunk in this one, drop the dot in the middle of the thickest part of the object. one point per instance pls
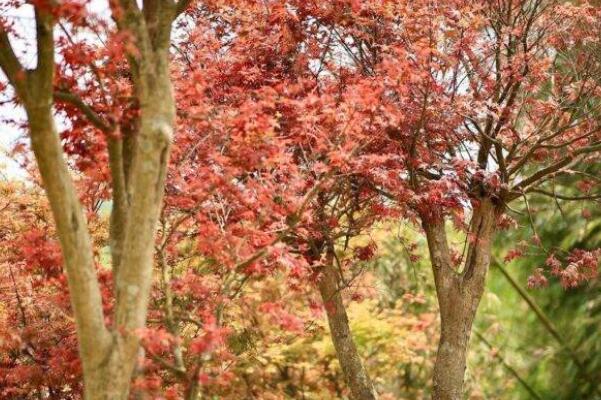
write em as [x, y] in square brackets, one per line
[459, 294]
[108, 356]
[456, 327]
[110, 381]
[108, 359]
[355, 375]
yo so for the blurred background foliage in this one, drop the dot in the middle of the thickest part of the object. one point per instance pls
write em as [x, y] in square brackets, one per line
[542, 343]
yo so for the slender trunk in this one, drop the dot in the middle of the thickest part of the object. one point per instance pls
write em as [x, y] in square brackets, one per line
[193, 392]
[459, 294]
[35, 90]
[142, 176]
[354, 372]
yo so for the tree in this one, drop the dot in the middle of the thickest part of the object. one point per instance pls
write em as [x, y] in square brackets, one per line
[297, 173]
[137, 160]
[301, 126]
[532, 116]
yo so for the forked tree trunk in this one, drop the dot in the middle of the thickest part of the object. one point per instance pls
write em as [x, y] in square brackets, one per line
[459, 294]
[355, 375]
[108, 355]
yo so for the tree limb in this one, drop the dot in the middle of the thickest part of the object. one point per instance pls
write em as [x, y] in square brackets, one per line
[90, 114]
[520, 186]
[565, 197]
[9, 63]
[44, 71]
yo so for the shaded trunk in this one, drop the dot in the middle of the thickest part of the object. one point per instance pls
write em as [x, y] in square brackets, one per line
[459, 294]
[354, 372]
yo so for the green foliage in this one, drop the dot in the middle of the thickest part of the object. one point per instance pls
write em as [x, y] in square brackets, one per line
[548, 366]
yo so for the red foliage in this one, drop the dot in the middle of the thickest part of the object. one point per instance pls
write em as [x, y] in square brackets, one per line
[301, 124]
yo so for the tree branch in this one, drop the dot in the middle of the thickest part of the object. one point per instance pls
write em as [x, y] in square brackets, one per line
[440, 258]
[548, 325]
[90, 114]
[118, 219]
[519, 187]
[9, 63]
[44, 71]
[565, 197]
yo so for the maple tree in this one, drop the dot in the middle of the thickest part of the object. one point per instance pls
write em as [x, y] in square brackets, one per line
[296, 128]
[424, 118]
[505, 111]
[137, 162]
[292, 164]
[539, 120]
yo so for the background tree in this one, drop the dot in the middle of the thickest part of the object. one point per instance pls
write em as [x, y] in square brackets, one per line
[529, 105]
